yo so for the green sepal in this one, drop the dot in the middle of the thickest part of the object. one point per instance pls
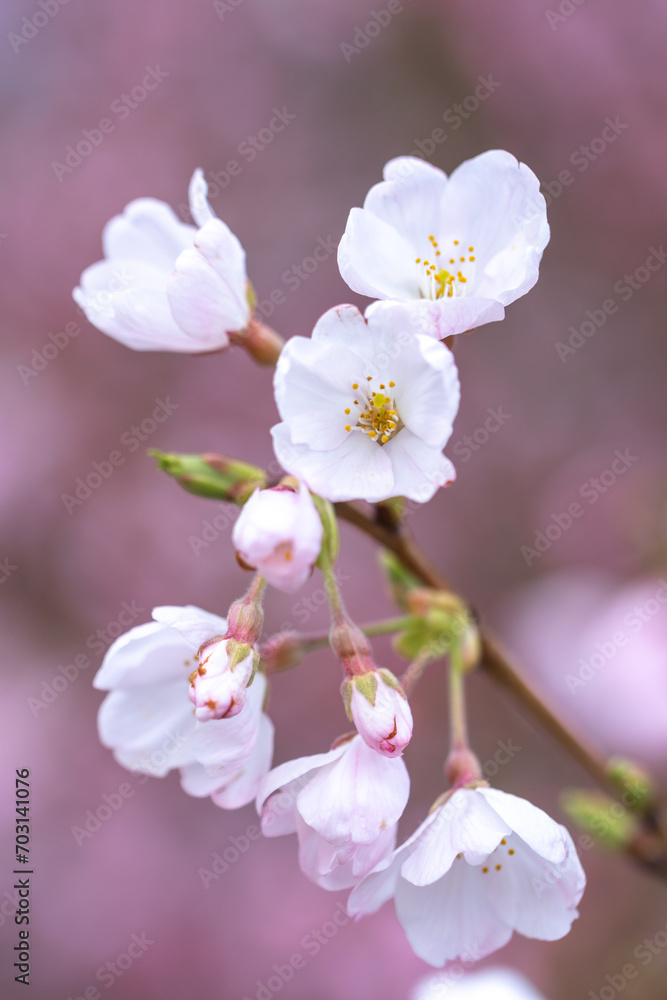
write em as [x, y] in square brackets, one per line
[213, 476]
[367, 685]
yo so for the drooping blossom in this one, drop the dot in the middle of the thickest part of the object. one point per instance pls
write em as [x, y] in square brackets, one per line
[367, 405]
[490, 984]
[482, 865]
[147, 718]
[279, 533]
[463, 246]
[343, 805]
[164, 285]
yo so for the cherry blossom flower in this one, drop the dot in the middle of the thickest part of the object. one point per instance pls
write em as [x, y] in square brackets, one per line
[491, 984]
[380, 711]
[279, 533]
[148, 721]
[343, 805]
[482, 865]
[165, 285]
[464, 246]
[367, 406]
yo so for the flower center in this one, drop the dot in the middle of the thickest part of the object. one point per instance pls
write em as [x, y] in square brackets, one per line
[446, 274]
[373, 411]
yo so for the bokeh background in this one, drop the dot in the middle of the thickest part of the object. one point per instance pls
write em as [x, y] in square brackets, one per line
[358, 96]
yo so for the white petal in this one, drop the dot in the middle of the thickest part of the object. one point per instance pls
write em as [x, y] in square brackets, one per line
[538, 830]
[147, 654]
[419, 469]
[451, 918]
[376, 260]
[150, 729]
[198, 198]
[534, 896]
[377, 887]
[355, 797]
[491, 984]
[222, 745]
[277, 811]
[207, 291]
[465, 824]
[149, 231]
[145, 322]
[358, 469]
[194, 624]
[243, 788]
[335, 868]
[446, 317]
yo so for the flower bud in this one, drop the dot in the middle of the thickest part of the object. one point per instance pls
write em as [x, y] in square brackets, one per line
[279, 533]
[218, 685]
[281, 652]
[375, 702]
[213, 476]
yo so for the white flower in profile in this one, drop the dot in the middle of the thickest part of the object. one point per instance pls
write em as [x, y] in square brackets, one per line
[491, 984]
[343, 805]
[147, 718]
[279, 533]
[377, 705]
[367, 405]
[164, 285]
[482, 865]
[464, 246]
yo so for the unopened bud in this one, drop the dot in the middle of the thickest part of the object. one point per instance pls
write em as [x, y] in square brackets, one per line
[462, 767]
[351, 647]
[281, 652]
[633, 781]
[612, 825]
[218, 685]
[377, 705]
[213, 476]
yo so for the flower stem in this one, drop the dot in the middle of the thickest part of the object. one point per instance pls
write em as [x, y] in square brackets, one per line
[457, 706]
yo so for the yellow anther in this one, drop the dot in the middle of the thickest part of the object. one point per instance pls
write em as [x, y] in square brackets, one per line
[391, 385]
[503, 841]
[462, 259]
[347, 409]
[418, 260]
[369, 378]
[485, 869]
[381, 385]
[471, 258]
[470, 249]
[385, 438]
[348, 427]
[456, 243]
[511, 850]
[355, 385]
[452, 260]
[498, 867]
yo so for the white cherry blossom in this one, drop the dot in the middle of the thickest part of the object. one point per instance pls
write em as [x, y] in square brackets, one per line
[148, 721]
[491, 984]
[279, 533]
[482, 865]
[463, 246]
[164, 285]
[380, 711]
[367, 406]
[343, 805]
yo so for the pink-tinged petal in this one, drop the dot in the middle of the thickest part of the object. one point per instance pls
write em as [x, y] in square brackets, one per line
[358, 469]
[539, 899]
[543, 834]
[377, 887]
[288, 779]
[419, 469]
[243, 788]
[385, 725]
[355, 797]
[336, 868]
[227, 744]
[198, 199]
[451, 918]
[375, 260]
[197, 782]
[447, 317]
[194, 624]
[465, 824]
[207, 291]
[147, 654]
[149, 231]
[149, 729]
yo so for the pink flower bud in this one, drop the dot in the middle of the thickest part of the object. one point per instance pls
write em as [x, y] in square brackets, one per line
[279, 533]
[218, 686]
[380, 711]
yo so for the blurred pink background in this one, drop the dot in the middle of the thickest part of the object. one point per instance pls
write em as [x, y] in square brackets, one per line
[70, 400]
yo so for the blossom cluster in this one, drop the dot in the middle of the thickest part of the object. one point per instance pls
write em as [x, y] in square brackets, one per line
[366, 405]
